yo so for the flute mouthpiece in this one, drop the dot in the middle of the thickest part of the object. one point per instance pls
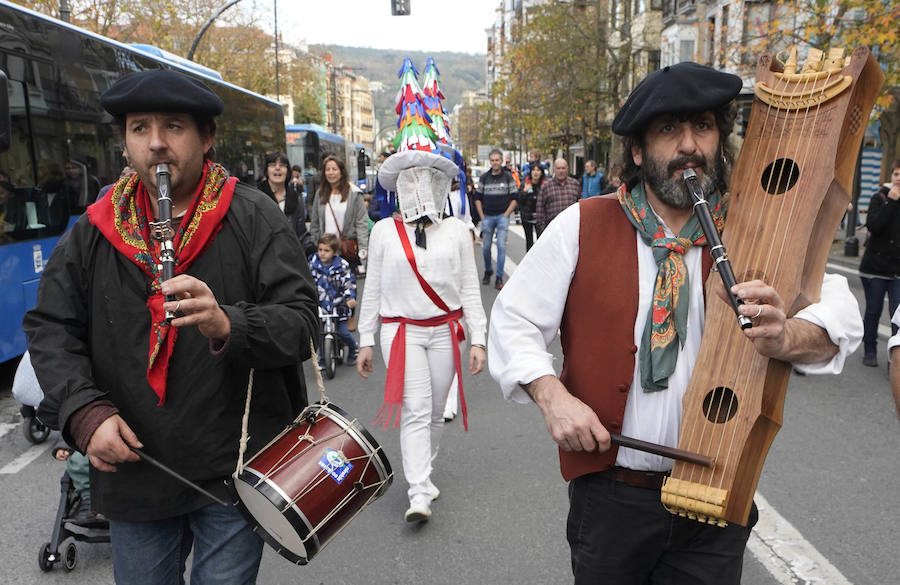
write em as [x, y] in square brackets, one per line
[686, 173]
[162, 168]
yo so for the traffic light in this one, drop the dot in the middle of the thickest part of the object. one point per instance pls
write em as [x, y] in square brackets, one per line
[400, 7]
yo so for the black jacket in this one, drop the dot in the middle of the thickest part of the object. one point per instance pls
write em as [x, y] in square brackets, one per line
[295, 211]
[89, 332]
[882, 255]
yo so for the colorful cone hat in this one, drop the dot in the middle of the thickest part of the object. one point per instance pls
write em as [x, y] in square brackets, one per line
[414, 131]
[440, 123]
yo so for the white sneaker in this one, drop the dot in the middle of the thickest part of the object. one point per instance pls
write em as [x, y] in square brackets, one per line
[419, 508]
[434, 492]
[449, 415]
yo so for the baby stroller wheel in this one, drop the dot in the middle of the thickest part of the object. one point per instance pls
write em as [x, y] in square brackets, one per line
[35, 432]
[71, 557]
[45, 559]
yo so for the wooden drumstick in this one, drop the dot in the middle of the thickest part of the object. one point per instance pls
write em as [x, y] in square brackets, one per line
[180, 478]
[670, 452]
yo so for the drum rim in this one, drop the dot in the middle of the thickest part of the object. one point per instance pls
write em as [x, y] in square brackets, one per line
[300, 522]
[362, 436]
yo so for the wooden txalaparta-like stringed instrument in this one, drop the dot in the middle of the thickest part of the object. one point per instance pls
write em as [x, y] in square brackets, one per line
[789, 189]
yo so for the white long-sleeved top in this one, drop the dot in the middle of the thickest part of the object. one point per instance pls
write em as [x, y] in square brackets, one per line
[447, 264]
[894, 341]
[526, 317]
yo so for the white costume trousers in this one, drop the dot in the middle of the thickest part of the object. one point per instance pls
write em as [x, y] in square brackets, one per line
[429, 371]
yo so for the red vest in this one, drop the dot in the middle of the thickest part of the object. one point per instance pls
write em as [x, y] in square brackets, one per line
[597, 328]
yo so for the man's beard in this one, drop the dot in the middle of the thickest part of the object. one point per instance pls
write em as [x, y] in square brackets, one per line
[673, 192]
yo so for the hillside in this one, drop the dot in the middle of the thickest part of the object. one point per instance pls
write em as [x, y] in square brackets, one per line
[459, 72]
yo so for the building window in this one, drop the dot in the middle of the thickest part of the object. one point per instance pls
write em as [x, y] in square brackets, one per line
[686, 52]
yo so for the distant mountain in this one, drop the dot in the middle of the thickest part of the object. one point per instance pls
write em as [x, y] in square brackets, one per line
[459, 72]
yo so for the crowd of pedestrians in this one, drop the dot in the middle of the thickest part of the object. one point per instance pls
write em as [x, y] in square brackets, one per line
[422, 298]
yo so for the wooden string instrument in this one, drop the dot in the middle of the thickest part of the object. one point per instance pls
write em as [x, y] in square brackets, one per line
[790, 187]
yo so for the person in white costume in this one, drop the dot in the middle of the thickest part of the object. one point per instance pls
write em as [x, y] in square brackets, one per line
[422, 288]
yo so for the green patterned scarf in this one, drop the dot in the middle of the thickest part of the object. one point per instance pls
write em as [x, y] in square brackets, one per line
[667, 321]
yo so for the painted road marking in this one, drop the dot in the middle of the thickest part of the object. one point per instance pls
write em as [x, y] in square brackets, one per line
[19, 463]
[784, 552]
[6, 427]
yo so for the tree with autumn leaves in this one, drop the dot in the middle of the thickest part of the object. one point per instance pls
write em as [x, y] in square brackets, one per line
[846, 24]
[238, 45]
[562, 79]
[569, 65]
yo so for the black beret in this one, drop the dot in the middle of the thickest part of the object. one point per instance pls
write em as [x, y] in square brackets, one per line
[161, 90]
[684, 88]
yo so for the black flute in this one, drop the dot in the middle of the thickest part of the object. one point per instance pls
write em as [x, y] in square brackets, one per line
[716, 249]
[162, 229]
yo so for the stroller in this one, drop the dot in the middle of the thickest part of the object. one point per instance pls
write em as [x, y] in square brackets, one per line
[68, 525]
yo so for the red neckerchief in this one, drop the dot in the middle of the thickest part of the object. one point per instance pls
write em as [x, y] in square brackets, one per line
[123, 218]
[393, 385]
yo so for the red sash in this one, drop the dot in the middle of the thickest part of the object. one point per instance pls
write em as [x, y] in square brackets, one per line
[393, 387]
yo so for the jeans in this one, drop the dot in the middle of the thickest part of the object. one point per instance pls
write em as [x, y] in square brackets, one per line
[226, 550]
[343, 331]
[488, 225]
[875, 288]
[622, 534]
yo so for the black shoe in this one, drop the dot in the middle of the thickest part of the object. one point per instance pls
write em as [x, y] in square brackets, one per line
[870, 360]
[84, 516]
[498, 284]
[487, 277]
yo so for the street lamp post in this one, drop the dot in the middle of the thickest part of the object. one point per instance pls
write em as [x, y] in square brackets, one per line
[208, 23]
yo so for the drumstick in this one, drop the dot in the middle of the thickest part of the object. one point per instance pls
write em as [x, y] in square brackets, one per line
[670, 452]
[180, 478]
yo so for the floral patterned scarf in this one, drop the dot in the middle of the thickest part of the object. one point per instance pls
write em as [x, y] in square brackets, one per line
[124, 216]
[667, 321]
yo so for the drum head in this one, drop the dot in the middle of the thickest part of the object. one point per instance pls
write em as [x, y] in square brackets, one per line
[285, 532]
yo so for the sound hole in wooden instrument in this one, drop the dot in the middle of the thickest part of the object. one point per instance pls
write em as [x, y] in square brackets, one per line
[780, 176]
[720, 405]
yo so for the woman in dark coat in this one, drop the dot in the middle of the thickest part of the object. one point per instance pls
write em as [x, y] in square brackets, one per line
[289, 197]
[879, 268]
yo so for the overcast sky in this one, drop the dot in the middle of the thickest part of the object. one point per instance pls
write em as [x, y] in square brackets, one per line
[433, 25]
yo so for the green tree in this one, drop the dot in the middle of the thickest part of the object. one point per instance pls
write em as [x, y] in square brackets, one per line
[561, 78]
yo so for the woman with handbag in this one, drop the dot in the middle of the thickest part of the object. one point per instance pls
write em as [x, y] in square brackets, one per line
[340, 209]
[422, 288]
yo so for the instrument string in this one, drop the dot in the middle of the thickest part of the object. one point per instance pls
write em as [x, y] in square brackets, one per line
[761, 254]
[756, 216]
[786, 210]
[713, 410]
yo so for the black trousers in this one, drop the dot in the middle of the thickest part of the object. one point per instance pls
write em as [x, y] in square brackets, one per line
[530, 231]
[622, 535]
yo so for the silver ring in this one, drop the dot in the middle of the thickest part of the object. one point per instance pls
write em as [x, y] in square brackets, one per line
[177, 307]
[758, 312]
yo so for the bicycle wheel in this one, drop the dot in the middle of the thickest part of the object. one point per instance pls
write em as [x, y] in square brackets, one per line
[328, 354]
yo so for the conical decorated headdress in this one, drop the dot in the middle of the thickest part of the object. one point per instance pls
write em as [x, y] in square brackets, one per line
[414, 130]
[433, 106]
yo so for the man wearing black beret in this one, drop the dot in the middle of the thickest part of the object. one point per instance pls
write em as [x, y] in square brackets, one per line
[118, 375]
[622, 277]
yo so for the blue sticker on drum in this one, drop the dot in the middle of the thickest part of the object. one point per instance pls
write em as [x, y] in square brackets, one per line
[335, 465]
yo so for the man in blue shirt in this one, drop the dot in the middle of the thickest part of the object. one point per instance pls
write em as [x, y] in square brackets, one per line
[495, 200]
[592, 181]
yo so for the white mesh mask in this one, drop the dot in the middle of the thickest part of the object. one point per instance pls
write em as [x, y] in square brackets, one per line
[421, 192]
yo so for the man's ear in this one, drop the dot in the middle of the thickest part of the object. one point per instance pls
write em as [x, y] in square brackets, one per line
[637, 154]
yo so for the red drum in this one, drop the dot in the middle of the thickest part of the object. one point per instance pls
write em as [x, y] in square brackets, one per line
[310, 481]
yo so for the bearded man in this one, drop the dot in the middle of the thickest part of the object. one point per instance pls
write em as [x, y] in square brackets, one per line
[603, 265]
